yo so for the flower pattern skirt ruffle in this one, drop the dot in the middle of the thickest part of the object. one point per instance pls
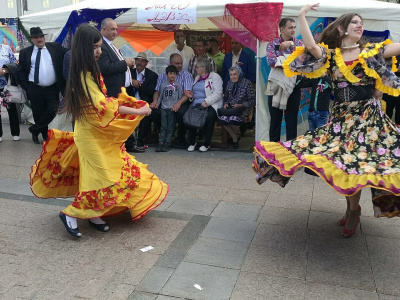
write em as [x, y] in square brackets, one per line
[359, 147]
[57, 174]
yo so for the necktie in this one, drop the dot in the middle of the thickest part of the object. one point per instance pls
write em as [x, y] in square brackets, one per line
[116, 51]
[37, 66]
[128, 75]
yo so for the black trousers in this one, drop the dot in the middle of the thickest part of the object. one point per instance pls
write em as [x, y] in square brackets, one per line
[130, 142]
[44, 104]
[182, 129]
[145, 125]
[291, 113]
[391, 104]
[208, 128]
[12, 110]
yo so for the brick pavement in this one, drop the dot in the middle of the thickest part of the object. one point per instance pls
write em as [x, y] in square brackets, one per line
[217, 229]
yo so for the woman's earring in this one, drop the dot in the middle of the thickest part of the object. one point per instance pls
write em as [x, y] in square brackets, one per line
[346, 33]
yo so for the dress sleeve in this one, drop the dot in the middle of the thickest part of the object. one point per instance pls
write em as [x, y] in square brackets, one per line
[380, 68]
[301, 62]
[105, 107]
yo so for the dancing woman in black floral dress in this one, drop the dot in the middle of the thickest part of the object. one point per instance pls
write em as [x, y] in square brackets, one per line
[359, 147]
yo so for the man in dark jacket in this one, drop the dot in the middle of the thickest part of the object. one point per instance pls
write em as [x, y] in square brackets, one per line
[40, 75]
[115, 69]
[144, 82]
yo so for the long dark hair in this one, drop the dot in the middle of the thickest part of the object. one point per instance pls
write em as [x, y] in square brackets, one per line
[331, 34]
[77, 97]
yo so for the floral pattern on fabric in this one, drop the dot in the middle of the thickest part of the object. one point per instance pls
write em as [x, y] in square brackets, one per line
[114, 194]
[359, 146]
[369, 69]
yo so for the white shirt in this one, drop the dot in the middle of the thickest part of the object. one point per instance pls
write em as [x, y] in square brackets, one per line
[235, 58]
[140, 78]
[187, 53]
[47, 73]
[128, 72]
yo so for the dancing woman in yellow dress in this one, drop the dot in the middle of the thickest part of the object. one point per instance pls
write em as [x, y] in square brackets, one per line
[359, 147]
[91, 163]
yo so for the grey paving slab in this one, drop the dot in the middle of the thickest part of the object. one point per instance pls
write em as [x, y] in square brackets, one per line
[326, 242]
[155, 279]
[381, 227]
[237, 211]
[271, 260]
[181, 244]
[386, 275]
[254, 286]
[219, 253]
[387, 297]
[166, 203]
[331, 204]
[162, 297]
[299, 184]
[216, 283]
[324, 221]
[291, 201]
[198, 191]
[381, 249]
[136, 295]
[282, 237]
[192, 206]
[317, 291]
[247, 195]
[285, 217]
[347, 271]
[232, 230]
[324, 190]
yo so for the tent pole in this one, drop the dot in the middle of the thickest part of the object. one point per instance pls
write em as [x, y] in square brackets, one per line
[257, 87]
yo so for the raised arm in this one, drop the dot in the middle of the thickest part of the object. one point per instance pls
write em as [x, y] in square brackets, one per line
[392, 50]
[305, 31]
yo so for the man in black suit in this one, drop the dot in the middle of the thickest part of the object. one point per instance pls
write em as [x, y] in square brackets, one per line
[40, 75]
[144, 82]
[115, 69]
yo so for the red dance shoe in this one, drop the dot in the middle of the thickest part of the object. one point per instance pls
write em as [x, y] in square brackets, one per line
[343, 220]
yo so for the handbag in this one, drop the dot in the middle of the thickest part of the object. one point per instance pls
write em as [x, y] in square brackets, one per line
[18, 94]
[230, 111]
[195, 116]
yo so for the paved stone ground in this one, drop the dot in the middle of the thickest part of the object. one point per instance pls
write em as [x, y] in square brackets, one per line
[217, 229]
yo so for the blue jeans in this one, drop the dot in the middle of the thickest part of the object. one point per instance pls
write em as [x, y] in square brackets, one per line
[317, 118]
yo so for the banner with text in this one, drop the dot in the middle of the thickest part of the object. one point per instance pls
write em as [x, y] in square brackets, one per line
[169, 13]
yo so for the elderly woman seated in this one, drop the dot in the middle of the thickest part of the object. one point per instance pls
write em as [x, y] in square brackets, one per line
[240, 97]
[207, 92]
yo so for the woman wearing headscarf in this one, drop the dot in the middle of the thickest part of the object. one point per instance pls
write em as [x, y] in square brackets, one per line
[240, 96]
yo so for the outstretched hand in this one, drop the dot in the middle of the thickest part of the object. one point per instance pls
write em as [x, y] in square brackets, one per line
[306, 8]
[144, 110]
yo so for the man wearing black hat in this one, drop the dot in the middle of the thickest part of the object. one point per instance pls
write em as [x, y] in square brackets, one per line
[144, 82]
[40, 75]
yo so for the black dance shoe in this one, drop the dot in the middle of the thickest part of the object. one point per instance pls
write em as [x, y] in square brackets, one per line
[100, 227]
[74, 232]
[135, 149]
[35, 139]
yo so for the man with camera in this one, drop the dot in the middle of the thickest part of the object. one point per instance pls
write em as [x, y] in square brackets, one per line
[281, 90]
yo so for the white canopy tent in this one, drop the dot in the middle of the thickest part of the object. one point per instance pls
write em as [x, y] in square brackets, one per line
[377, 15]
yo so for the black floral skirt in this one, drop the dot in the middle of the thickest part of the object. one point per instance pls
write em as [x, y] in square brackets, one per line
[359, 147]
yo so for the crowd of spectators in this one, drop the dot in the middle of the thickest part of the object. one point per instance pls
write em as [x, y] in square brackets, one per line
[201, 76]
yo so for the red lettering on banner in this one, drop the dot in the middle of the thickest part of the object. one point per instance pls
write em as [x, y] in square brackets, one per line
[164, 6]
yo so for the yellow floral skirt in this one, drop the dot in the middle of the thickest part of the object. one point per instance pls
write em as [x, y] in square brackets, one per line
[57, 174]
